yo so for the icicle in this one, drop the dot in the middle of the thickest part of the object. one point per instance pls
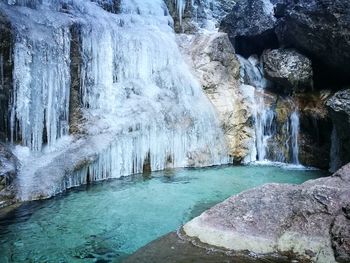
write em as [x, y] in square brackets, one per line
[136, 89]
[180, 5]
[135, 80]
[41, 89]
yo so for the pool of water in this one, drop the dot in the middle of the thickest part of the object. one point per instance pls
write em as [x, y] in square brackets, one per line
[104, 222]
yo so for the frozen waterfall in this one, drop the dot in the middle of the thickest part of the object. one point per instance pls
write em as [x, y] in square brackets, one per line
[134, 87]
[41, 77]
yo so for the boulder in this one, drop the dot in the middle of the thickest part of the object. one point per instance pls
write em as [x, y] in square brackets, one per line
[310, 220]
[288, 69]
[339, 108]
[212, 58]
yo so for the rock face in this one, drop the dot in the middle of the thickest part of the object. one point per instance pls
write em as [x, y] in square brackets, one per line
[290, 70]
[212, 58]
[339, 108]
[250, 26]
[317, 28]
[311, 220]
[315, 129]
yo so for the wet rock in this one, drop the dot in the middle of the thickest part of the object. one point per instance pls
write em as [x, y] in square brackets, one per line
[288, 69]
[279, 218]
[315, 129]
[339, 108]
[215, 65]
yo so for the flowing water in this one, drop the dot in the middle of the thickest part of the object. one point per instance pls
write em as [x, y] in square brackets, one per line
[295, 128]
[108, 220]
[268, 142]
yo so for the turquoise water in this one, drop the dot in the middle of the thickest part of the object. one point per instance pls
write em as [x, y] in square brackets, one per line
[106, 221]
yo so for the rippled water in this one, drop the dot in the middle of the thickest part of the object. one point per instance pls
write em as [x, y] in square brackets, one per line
[105, 222]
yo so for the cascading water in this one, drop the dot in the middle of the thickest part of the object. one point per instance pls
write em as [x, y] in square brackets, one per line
[295, 127]
[268, 144]
[135, 88]
[252, 74]
[264, 127]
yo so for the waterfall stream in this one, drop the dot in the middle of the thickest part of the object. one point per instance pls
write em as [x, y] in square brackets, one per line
[295, 128]
[271, 143]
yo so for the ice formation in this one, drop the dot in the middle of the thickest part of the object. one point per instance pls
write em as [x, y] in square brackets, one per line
[134, 86]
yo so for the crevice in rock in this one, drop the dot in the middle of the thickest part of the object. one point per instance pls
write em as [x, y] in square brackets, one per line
[249, 45]
[75, 103]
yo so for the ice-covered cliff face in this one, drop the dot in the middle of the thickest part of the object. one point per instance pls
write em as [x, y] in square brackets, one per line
[134, 86]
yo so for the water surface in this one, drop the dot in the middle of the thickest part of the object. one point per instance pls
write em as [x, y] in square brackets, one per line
[106, 221]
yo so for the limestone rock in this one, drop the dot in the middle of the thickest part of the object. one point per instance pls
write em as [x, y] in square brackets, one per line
[290, 70]
[214, 63]
[279, 218]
